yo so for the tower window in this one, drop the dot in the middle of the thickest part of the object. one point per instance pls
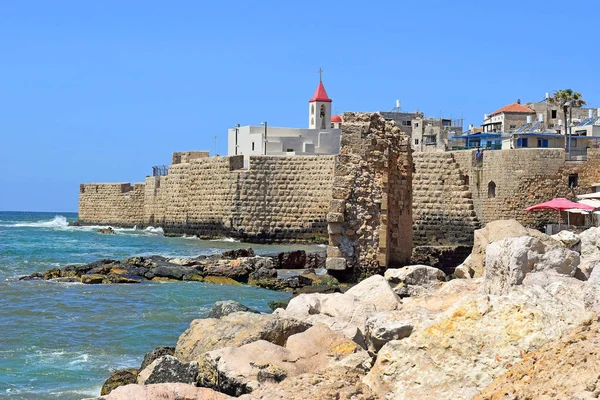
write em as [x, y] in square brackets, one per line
[553, 113]
[252, 146]
[312, 109]
[573, 181]
[491, 190]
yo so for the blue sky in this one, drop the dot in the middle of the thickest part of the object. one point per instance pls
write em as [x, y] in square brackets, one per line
[101, 91]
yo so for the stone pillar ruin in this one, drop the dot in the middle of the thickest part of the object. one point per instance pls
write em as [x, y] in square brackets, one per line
[370, 214]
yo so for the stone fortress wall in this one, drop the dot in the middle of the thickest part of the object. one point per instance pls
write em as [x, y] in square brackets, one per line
[278, 198]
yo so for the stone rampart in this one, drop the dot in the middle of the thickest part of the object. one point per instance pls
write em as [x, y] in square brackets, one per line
[118, 204]
[278, 198]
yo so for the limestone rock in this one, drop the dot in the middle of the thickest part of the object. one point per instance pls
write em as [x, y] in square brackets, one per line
[179, 391]
[384, 327]
[415, 280]
[586, 268]
[590, 243]
[337, 383]
[495, 231]
[156, 353]
[235, 329]
[376, 290]
[560, 369]
[464, 270]
[223, 308]
[509, 260]
[470, 344]
[568, 240]
[168, 369]
[118, 378]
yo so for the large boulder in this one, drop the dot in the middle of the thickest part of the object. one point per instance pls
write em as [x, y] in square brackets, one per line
[235, 330]
[561, 369]
[474, 265]
[290, 260]
[590, 243]
[415, 280]
[471, 343]
[118, 378]
[168, 369]
[569, 240]
[336, 383]
[223, 308]
[509, 260]
[376, 290]
[386, 326]
[179, 391]
[155, 354]
[239, 370]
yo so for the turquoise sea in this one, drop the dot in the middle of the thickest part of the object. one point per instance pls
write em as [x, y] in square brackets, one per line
[62, 340]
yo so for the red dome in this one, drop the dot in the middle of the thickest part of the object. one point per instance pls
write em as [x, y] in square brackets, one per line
[336, 118]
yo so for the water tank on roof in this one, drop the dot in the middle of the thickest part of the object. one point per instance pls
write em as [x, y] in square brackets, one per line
[397, 103]
[541, 117]
[529, 119]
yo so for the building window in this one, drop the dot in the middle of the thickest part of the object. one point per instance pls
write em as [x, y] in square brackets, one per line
[542, 143]
[312, 109]
[513, 127]
[406, 123]
[573, 181]
[491, 190]
[553, 113]
[416, 141]
[289, 150]
[522, 142]
[252, 146]
[416, 124]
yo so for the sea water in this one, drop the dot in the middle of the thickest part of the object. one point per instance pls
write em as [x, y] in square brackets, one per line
[62, 340]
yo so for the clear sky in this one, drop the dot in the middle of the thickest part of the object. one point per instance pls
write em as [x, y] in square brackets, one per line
[101, 91]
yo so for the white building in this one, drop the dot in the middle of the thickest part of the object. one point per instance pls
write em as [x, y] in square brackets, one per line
[321, 137]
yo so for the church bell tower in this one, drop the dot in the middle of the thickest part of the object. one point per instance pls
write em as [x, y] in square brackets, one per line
[319, 107]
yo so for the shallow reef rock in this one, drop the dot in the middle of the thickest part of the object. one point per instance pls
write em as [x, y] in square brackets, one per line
[118, 378]
[223, 308]
[561, 369]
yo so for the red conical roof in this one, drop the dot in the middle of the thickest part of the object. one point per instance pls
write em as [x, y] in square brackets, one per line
[320, 94]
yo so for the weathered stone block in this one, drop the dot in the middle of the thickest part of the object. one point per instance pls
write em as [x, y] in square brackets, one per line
[335, 264]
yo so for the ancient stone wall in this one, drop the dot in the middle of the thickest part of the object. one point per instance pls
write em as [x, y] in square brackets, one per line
[277, 199]
[370, 215]
[443, 209]
[118, 204]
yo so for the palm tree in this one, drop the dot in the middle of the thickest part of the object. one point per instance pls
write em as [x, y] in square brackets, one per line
[567, 99]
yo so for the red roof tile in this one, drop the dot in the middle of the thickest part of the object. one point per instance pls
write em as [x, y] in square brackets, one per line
[336, 118]
[320, 94]
[513, 108]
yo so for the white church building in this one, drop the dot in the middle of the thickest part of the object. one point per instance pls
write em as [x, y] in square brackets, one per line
[321, 137]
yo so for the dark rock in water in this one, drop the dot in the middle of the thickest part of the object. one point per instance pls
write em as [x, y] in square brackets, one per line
[33, 277]
[270, 283]
[104, 268]
[92, 279]
[275, 304]
[77, 270]
[238, 270]
[223, 308]
[156, 353]
[75, 223]
[52, 273]
[233, 254]
[289, 260]
[317, 289]
[263, 268]
[66, 280]
[316, 260]
[114, 278]
[168, 369]
[107, 231]
[171, 271]
[118, 378]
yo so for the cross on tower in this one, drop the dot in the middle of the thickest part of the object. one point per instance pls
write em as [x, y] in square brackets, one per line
[320, 74]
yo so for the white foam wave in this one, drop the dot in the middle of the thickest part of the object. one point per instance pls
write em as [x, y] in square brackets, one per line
[57, 222]
[157, 230]
[193, 237]
[226, 239]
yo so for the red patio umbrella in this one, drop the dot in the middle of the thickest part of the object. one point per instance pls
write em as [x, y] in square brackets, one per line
[560, 204]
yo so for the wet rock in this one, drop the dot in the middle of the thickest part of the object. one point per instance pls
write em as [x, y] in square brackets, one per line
[223, 308]
[415, 280]
[33, 277]
[93, 279]
[239, 253]
[168, 369]
[106, 231]
[235, 330]
[290, 260]
[270, 283]
[316, 260]
[66, 280]
[171, 271]
[275, 304]
[155, 354]
[118, 378]
[52, 274]
[76, 270]
[220, 280]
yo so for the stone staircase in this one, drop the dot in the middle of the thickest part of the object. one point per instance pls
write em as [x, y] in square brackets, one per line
[443, 210]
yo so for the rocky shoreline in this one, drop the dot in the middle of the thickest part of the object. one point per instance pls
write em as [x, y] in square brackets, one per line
[234, 267]
[527, 302]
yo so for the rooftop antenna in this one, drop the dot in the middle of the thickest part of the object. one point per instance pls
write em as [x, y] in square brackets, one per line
[398, 107]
